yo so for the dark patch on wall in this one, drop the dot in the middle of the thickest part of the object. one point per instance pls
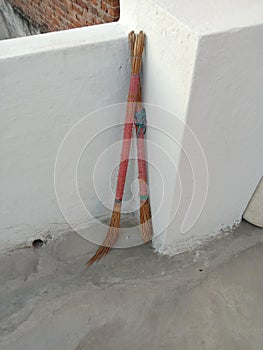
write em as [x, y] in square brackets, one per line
[13, 23]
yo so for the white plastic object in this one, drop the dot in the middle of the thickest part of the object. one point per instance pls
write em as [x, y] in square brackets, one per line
[254, 210]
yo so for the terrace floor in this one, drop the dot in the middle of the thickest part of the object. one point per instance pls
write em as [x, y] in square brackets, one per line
[210, 298]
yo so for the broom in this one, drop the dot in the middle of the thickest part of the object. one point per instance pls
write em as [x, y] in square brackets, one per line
[140, 124]
[114, 229]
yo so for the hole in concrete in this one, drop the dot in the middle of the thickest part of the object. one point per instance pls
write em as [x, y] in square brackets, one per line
[37, 243]
[200, 270]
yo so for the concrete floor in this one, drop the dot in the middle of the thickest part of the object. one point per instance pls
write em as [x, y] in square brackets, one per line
[210, 298]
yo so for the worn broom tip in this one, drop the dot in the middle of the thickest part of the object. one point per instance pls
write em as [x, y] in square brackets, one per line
[112, 236]
[146, 221]
[138, 46]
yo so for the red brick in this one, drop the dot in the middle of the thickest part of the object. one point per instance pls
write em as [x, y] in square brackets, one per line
[107, 19]
[93, 11]
[63, 14]
[98, 21]
[74, 23]
[59, 11]
[88, 17]
[104, 6]
[79, 10]
[114, 12]
[82, 3]
[114, 3]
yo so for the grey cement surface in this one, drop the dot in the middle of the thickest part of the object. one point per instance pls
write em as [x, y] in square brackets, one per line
[210, 298]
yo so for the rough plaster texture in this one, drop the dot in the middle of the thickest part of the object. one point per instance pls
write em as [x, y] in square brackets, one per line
[43, 95]
[231, 91]
[207, 299]
[205, 72]
[209, 66]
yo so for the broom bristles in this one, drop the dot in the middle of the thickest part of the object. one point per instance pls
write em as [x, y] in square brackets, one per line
[136, 47]
[145, 208]
[112, 235]
[146, 221]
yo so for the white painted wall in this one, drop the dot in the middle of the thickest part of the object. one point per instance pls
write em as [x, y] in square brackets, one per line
[48, 83]
[200, 67]
[203, 64]
[225, 113]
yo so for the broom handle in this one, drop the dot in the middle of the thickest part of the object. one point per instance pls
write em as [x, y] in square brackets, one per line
[127, 135]
[142, 169]
[136, 43]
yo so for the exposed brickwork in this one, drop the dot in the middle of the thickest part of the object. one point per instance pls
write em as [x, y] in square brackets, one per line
[54, 15]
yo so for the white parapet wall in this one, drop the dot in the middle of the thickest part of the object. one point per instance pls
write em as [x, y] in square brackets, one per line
[204, 64]
[49, 83]
[202, 80]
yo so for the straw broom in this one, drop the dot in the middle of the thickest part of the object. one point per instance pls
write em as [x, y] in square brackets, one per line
[145, 208]
[114, 228]
[140, 123]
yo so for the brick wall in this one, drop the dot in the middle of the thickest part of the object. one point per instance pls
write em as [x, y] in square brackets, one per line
[52, 15]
